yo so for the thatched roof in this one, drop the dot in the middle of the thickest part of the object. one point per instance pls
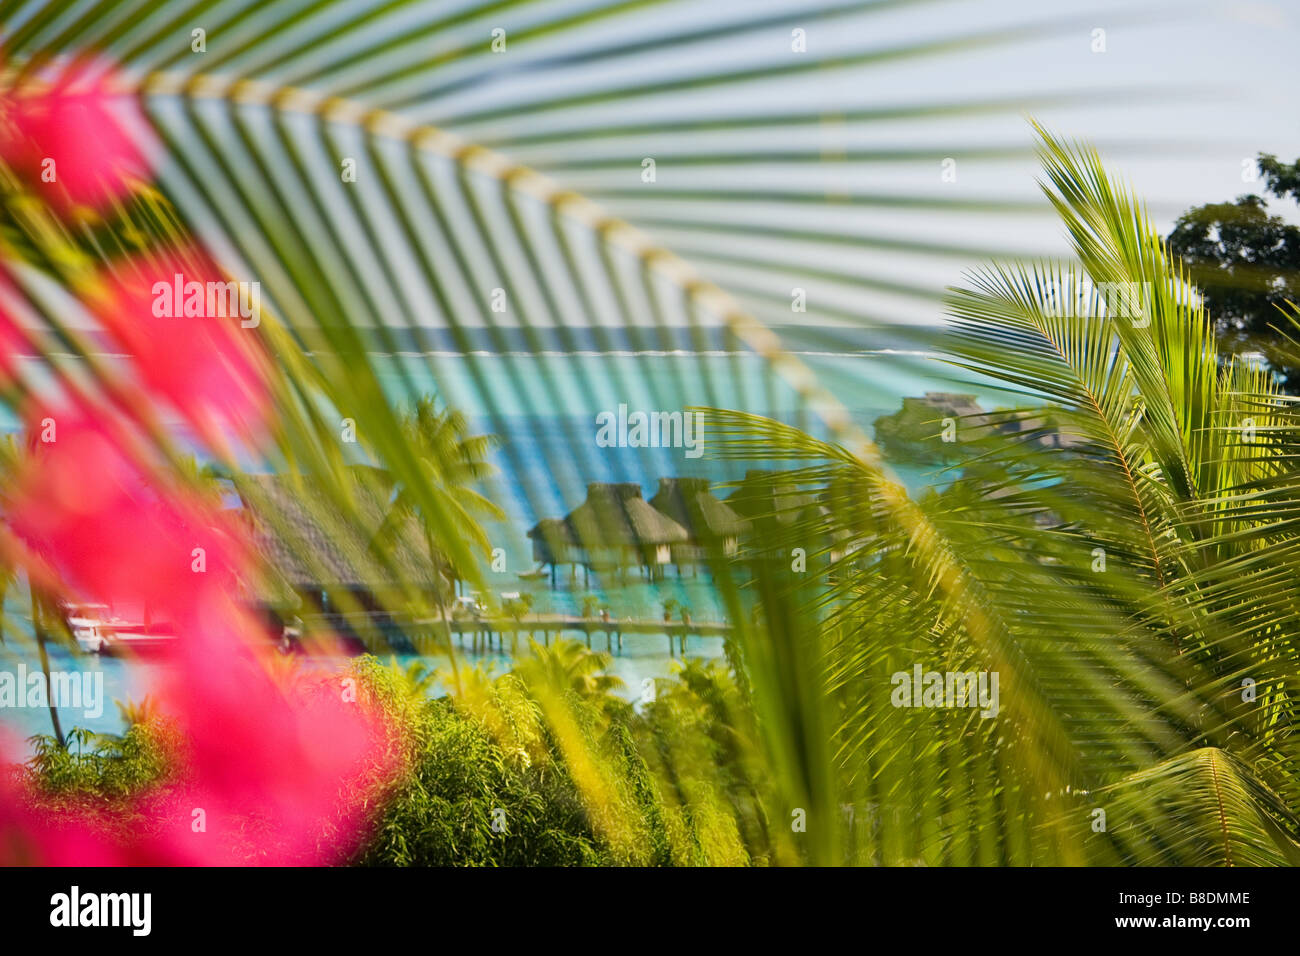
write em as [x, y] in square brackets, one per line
[764, 497]
[267, 584]
[616, 516]
[554, 531]
[689, 502]
[552, 539]
[312, 543]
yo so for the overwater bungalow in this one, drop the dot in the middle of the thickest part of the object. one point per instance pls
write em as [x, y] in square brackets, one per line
[772, 507]
[333, 560]
[615, 528]
[554, 544]
[714, 528]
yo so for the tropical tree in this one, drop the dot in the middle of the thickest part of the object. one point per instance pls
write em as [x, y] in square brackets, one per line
[453, 465]
[42, 608]
[1117, 582]
[321, 153]
[570, 666]
[1246, 263]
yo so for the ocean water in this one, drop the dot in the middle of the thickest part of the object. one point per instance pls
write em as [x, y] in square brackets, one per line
[543, 409]
[122, 680]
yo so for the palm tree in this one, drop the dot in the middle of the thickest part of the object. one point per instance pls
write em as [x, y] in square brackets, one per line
[11, 456]
[1122, 583]
[568, 666]
[452, 462]
[382, 214]
[445, 502]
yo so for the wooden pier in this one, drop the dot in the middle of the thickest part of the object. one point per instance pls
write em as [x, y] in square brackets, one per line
[483, 630]
[384, 633]
[381, 633]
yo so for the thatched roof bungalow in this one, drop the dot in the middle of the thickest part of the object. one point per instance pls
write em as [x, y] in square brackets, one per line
[614, 528]
[713, 526]
[327, 553]
[771, 505]
[554, 542]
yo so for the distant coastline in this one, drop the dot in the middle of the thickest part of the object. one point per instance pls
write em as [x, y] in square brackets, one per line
[601, 340]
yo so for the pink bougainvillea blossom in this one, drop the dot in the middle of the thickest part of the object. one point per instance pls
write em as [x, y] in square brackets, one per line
[69, 138]
[90, 511]
[279, 770]
[180, 320]
[270, 766]
[282, 756]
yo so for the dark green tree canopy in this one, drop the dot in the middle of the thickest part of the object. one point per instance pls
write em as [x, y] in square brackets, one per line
[1246, 262]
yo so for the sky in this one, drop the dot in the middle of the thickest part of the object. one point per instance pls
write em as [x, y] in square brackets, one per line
[1178, 97]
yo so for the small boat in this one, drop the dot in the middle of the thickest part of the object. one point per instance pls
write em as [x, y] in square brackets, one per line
[91, 625]
[98, 631]
[535, 575]
[133, 639]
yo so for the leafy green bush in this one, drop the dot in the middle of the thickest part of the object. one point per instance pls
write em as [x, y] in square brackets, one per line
[105, 767]
[489, 780]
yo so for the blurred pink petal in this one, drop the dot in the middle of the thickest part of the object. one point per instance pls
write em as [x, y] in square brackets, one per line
[283, 754]
[208, 365]
[76, 122]
[278, 759]
[85, 507]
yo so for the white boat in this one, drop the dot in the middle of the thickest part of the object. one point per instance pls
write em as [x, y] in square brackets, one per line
[91, 625]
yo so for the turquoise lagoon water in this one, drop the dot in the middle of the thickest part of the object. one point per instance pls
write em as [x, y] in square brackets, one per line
[543, 409]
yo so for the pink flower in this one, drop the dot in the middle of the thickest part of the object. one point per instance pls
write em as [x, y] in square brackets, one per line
[89, 511]
[275, 770]
[278, 777]
[180, 320]
[72, 131]
[285, 757]
[282, 774]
